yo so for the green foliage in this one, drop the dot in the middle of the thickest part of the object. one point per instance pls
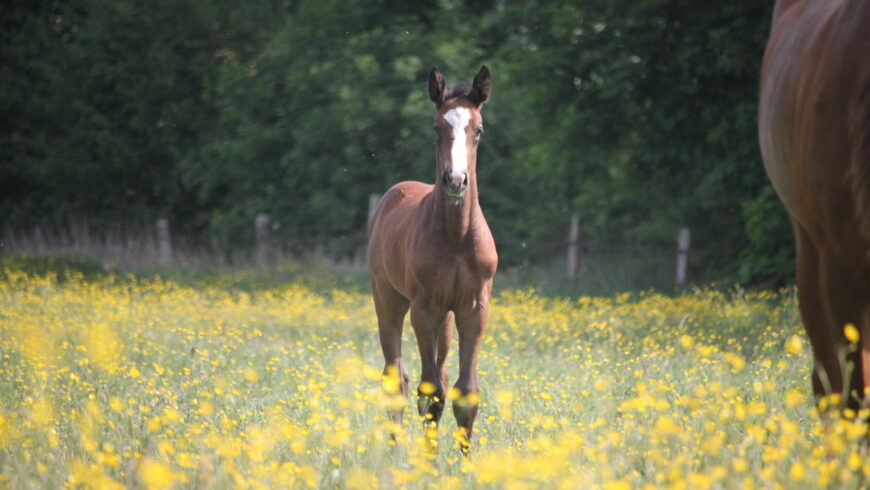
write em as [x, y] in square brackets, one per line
[642, 119]
[109, 97]
[769, 255]
[637, 115]
[330, 111]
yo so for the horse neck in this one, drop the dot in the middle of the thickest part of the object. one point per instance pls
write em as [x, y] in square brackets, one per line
[455, 221]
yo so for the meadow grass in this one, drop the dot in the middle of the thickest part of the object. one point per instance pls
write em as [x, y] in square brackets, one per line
[111, 381]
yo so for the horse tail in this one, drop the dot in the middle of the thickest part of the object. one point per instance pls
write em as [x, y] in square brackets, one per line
[859, 165]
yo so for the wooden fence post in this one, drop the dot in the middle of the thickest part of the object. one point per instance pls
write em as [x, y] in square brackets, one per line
[373, 204]
[164, 243]
[573, 259]
[264, 239]
[684, 238]
[39, 238]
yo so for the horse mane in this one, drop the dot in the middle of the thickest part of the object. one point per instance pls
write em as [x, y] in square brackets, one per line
[458, 90]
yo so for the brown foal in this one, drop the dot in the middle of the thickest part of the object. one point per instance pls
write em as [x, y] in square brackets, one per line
[430, 249]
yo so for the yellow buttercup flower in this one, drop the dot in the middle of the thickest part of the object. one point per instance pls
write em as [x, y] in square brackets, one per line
[156, 475]
[851, 333]
[794, 345]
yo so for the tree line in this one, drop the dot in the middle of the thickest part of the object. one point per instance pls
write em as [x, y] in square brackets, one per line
[638, 115]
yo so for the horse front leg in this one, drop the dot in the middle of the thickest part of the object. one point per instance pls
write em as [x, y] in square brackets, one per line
[427, 323]
[470, 325]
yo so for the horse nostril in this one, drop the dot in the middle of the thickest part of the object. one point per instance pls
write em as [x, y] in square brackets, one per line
[465, 181]
[446, 177]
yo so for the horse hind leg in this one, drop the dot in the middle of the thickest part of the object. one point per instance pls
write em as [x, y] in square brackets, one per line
[391, 307]
[432, 408]
[427, 326]
[445, 337]
[813, 281]
[864, 329]
[827, 377]
[845, 303]
[849, 303]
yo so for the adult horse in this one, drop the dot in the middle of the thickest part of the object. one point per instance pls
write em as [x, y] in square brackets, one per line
[814, 128]
[430, 249]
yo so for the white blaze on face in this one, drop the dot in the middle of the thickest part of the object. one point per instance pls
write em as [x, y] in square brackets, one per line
[458, 118]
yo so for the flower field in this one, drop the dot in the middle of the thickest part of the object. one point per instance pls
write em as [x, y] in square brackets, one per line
[122, 381]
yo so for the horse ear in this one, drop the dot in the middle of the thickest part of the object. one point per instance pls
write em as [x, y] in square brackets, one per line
[436, 86]
[480, 87]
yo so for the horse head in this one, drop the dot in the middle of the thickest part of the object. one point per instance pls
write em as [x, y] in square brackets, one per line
[458, 125]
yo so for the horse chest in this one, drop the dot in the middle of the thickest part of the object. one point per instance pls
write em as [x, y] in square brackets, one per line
[448, 278]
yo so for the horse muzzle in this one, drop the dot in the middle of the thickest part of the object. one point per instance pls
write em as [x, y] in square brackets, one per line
[455, 183]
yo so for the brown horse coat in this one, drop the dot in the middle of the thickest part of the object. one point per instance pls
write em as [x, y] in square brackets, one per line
[430, 249]
[814, 129]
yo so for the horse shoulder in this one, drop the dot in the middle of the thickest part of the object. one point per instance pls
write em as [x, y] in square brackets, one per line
[484, 254]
